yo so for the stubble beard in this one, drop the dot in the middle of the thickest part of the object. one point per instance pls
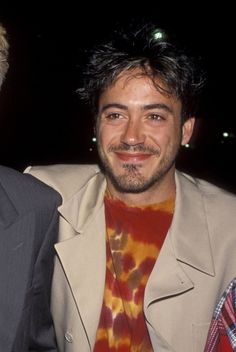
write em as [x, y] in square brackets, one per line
[132, 180]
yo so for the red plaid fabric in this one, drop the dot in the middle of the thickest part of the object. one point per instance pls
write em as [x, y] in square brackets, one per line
[222, 333]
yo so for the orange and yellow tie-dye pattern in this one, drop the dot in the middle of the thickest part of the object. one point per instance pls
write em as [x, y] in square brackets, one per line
[134, 238]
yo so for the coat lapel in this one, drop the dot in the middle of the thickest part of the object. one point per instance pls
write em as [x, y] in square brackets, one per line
[189, 231]
[187, 242]
[84, 255]
[167, 278]
[8, 212]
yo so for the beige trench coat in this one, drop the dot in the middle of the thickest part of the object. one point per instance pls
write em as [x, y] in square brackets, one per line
[196, 262]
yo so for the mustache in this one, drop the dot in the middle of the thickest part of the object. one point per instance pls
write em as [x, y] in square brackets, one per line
[134, 148]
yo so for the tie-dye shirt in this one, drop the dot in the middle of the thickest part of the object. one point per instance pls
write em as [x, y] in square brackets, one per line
[134, 238]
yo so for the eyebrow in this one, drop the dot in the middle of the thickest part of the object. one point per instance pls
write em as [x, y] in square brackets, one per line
[157, 106]
[144, 107]
[114, 105]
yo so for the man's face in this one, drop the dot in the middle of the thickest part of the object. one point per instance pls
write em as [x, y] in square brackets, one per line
[139, 133]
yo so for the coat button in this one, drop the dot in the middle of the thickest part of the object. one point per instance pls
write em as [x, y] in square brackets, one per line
[69, 337]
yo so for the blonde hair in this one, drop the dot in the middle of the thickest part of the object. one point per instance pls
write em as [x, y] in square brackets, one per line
[4, 46]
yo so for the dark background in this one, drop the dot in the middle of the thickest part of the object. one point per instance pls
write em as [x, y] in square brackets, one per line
[41, 120]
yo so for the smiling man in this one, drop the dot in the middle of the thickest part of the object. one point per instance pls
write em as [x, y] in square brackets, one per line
[140, 256]
[139, 135]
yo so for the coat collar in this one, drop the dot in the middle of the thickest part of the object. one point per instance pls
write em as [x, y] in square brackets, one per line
[189, 231]
[8, 212]
[81, 208]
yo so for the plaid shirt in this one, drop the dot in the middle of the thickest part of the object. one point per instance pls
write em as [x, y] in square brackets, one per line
[222, 333]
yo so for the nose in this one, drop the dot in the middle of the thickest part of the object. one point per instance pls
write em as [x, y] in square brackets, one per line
[133, 133]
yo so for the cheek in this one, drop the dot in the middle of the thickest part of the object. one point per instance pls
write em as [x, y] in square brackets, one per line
[166, 139]
[175, 135]
[158, 137]
[108, 135]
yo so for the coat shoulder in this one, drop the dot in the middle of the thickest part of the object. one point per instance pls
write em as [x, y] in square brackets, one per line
[66, 179]
[214, 197]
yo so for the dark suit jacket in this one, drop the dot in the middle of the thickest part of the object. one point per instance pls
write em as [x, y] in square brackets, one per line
[28, 230]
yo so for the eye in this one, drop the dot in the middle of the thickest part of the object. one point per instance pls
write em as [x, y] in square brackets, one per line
[155, 117]
[113, 116]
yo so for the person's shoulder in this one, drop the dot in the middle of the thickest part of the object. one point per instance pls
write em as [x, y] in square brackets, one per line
[26, 190]
[67, 179]
[208, 189]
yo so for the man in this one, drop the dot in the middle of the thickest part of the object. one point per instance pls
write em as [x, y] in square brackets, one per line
[141, 259]
[28, 230]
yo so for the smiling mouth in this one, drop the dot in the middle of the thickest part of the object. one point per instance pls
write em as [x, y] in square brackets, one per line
[133, 157]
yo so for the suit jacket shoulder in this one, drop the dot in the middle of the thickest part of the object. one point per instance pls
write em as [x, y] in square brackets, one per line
[26, 192]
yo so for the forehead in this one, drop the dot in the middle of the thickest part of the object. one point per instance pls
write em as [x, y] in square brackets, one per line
[137, 84]
[136, 76]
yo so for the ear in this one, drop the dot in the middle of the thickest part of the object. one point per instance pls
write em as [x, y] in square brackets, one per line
[187, 130]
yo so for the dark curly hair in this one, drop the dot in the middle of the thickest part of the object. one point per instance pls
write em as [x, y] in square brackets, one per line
[149, 49]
